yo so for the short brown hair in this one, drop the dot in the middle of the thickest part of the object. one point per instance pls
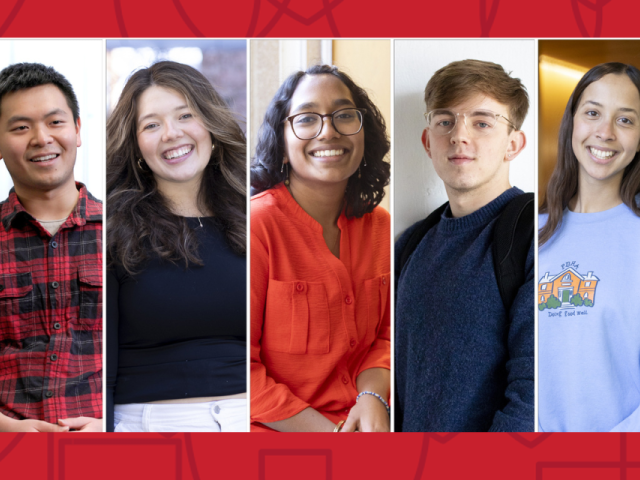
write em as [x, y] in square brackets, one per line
[459, 80]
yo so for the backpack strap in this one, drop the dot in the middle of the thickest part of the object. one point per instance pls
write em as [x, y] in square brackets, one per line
[512, 237]
[418, 234]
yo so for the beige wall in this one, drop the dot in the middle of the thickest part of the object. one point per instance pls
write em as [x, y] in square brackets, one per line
[368, 62]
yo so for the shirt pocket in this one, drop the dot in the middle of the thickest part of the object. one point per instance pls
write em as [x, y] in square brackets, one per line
[16, 304]
[90, 289]
[377, 289]
[296, 318]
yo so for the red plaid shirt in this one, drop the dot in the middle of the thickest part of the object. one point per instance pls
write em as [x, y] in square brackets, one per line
[51, 313]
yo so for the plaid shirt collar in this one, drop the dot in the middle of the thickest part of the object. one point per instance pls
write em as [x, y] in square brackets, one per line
[88, 209]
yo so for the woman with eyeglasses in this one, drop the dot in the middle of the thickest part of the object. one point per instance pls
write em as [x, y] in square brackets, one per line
[320, 260]
[176, 170]
[589, 265]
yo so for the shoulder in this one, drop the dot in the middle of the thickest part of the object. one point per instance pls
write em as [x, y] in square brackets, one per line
[379, 217]
[542, 220]
[263, 207]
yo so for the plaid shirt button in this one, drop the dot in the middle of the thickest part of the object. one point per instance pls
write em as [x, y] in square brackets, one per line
[53, 357]
[55, 284]
[49, 394]
[56, 326]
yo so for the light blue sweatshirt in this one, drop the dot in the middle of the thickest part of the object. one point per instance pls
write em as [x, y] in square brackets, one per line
[589, 323]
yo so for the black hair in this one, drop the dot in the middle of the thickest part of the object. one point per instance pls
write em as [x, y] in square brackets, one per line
[20, 76]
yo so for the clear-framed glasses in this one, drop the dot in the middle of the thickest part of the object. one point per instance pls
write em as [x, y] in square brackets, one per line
[308, 125]
[478, 122]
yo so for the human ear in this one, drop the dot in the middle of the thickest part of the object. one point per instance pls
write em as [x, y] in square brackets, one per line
[517, 142]
[425, 142]
[79, 140]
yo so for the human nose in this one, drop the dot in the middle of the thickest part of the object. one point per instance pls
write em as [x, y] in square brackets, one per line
[460, 132]
[171, 132]
[41, 136]
[605, 129]
[327, 130]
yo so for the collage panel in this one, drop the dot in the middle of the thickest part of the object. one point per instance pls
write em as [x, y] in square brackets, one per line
[176, 243]
[52, 175]
[589, 273]
[464, 157]
[320, 235]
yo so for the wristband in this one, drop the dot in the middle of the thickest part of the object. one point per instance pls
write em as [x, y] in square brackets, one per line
[386, 405]
[339, 426]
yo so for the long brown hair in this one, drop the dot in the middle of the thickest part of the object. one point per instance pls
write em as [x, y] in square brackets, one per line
[563, 185]
[140, 223]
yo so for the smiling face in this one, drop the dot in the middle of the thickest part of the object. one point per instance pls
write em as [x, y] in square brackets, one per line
[606, 129]
[38, 139]
[466, 161]
[330, 158]
[173, 142]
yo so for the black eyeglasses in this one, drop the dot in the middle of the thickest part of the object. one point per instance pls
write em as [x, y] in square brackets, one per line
[308, 125]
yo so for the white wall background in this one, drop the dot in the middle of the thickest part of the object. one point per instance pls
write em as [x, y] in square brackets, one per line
[417, 188]
[82, 63]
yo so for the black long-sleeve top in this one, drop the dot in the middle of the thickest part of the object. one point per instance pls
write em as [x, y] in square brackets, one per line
[178, 333]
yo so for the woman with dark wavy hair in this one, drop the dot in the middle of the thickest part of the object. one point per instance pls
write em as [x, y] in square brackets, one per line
[176, 256]
[320, 259]
[589, 340]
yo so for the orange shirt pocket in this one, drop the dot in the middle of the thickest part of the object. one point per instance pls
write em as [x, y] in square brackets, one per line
[296, 318]
[377, 296]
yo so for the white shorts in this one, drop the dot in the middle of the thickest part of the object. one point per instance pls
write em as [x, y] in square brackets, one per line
[217, 416]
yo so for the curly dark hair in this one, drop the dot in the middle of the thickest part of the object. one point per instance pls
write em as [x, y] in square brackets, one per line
[563, 184]
[140, 223]
[363, 194]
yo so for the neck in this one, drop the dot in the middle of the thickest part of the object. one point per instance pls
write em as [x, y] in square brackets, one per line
[183, 197]
[323, 203]
[465, 202]
[596, 195]
[53, 204]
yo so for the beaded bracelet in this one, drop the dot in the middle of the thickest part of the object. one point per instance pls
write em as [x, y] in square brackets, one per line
[378, 397]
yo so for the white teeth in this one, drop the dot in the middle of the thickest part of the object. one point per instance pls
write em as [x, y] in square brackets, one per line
[45, 158]
[178, 152]
[328, 153]
[601, 153]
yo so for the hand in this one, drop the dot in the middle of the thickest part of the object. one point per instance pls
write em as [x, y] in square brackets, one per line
[368, 415]
[82, 424]
[32, 426]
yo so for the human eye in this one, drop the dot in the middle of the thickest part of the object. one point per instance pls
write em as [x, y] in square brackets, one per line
[591, 113]
[185, 116]
[345, 114]
[482, 125]
[150, 126]
[306, 119]
[626, 121]
[19, 128]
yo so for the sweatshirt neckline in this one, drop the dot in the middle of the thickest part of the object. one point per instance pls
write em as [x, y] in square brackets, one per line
[480, 217]
[593, 217]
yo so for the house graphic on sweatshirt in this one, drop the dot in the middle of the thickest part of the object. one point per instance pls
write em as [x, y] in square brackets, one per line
[564, 286]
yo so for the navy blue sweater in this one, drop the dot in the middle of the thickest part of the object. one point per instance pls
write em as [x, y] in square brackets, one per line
[463, 363]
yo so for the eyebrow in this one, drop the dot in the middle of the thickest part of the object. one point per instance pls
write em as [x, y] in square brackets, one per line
[621, 109]
[22, 118]
[336, 103]
[153, 114]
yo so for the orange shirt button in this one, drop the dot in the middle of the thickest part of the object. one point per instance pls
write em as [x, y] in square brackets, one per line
[300, 287]
[384, 280]
[353, 342]
[345, 380]
[348, 300]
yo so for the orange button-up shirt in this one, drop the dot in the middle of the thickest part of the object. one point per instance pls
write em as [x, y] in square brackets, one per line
[316, 321]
